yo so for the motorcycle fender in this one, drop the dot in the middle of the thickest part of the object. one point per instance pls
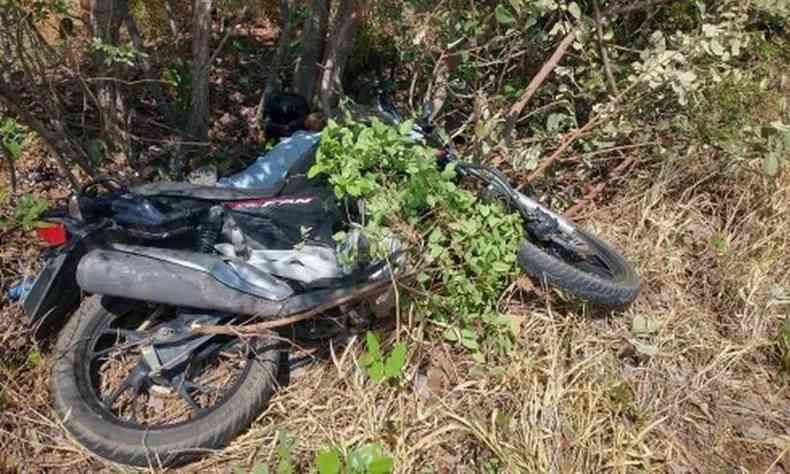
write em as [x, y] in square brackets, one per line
[55, 294]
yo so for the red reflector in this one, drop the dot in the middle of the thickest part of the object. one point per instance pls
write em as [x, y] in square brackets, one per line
[53, 234]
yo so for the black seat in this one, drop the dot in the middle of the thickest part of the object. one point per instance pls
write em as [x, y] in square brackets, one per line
[204, 193]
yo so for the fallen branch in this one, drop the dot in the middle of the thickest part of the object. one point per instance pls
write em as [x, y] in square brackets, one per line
[535, 83]
[567, 140]
[250, 330]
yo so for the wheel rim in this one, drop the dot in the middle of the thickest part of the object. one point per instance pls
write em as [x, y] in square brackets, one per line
[592, 264]
[125, 394]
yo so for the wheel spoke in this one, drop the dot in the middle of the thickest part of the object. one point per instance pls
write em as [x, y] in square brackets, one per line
[125, 385]
[202, 387]
[184, 394]
[122, 347]
[131, 336]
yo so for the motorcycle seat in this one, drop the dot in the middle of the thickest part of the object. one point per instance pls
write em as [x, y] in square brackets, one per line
[202, 192]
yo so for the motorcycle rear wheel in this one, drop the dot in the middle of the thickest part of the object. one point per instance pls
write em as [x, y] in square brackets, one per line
[97, 424]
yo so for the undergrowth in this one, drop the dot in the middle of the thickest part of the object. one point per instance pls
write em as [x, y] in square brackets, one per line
[467, 247]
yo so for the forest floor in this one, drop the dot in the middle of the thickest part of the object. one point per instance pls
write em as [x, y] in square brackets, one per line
[688, 379]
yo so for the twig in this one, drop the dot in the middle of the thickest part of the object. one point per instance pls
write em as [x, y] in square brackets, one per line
[566, 142]
[610, 150]
[11, 169]
[537, 81]
[607, 67]
[225, 38]
[9, 230]
[635, 6]
[587, 199]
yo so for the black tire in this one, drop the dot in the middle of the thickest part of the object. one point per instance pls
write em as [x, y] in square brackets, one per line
[617, 289]
[84, 417]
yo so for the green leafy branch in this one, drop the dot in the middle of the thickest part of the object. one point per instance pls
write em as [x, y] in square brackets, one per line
[378, 366]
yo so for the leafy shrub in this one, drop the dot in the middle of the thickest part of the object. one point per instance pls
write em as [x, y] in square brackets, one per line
[12, 135]
[26, 214]
[469, 246]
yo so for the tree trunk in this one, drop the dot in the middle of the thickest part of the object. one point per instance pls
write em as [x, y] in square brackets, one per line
[201, 33]
[314, 41]
[346, 24]
[283, 41]
[106, 18]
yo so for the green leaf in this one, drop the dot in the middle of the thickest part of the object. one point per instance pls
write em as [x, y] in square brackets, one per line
[644, 348]
[554, 121]
[13, 148]
[574, 9]
[362, 458]
[376, 371]
[406, 127]
[450, 334]
[504, 15]
[374, 348]
[328, 462]
[643, 325]
[260, 469]
[470, 342]
[771, 165]
[396, 361]
[381, 465]
[34, 358]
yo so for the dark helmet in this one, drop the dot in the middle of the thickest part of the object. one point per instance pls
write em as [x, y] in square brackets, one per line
[286, 113]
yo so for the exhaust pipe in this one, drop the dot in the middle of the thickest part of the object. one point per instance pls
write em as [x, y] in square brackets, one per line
[187, 279]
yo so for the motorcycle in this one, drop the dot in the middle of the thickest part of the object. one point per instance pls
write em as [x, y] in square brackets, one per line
[170, 300]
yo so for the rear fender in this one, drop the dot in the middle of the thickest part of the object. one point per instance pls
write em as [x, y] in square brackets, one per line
[55, 294]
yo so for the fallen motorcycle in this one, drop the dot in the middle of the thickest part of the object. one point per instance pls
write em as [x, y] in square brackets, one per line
[140, 282]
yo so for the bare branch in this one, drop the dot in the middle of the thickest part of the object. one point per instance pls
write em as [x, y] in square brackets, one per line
[643, 5]
[537, 81]
[602, 45]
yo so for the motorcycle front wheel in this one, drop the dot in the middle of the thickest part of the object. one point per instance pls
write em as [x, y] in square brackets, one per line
[106, 400]
[602, 276]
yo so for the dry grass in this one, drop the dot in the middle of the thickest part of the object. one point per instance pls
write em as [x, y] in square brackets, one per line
[711, 244]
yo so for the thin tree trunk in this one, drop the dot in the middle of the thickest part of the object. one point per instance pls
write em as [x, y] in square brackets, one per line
[283, 42]
[107, 16]
[201, 33]
[607, 67]
[170, 9]
[346, 24]
[314, 41]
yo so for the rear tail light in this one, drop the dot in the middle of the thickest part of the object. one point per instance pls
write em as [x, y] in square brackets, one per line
[53, 234]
